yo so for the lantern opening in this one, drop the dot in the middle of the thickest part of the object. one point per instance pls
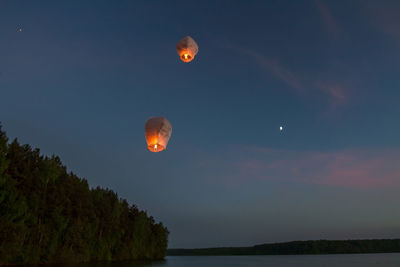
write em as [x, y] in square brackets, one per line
[155, 147]
[186, 56]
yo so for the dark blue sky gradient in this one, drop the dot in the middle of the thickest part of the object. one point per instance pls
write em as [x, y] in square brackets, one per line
[82, 77]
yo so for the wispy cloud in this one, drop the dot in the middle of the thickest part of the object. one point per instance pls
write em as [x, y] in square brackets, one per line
[273, 66]
[385, 17]
[329, 21]
[284, 74]
[336, 92]
[359, 168]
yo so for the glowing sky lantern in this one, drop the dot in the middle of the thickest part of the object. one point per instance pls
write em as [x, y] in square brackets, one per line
[187, 49]
[158, 131]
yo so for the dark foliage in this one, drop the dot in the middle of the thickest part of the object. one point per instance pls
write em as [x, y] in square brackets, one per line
[50, 215]
[300, 247]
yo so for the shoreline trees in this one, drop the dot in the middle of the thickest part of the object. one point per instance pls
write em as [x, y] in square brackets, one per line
[49, 215]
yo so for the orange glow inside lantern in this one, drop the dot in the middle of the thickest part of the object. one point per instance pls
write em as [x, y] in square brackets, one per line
[186, 55]
[154, 144]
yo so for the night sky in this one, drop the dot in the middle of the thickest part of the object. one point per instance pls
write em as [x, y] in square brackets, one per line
[79, 79]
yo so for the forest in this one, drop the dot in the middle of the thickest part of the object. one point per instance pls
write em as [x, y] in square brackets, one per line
[300, 247]
[50, 215]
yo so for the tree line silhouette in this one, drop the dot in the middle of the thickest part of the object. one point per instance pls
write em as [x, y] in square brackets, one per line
[49, 215]
[299, 247]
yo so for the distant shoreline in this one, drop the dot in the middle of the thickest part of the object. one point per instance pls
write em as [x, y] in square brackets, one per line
[298, 248]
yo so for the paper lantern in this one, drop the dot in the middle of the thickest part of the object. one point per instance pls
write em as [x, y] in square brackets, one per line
[187, 49]
[157, 131]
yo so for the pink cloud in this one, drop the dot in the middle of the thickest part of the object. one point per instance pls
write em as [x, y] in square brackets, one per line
[335, 91]
[386, 18]
[327, 17]
[287, 76]
[347, 168]
[284, 74]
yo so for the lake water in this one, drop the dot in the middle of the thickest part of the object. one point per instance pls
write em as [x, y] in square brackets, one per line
[337, 260]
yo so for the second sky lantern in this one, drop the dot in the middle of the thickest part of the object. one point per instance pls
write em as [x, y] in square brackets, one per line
[187, 49]
[157, 131]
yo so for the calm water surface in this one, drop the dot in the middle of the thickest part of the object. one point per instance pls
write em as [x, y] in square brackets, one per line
[365, 260]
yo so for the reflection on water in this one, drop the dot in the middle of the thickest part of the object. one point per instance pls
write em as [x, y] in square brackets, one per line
[342, 260]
